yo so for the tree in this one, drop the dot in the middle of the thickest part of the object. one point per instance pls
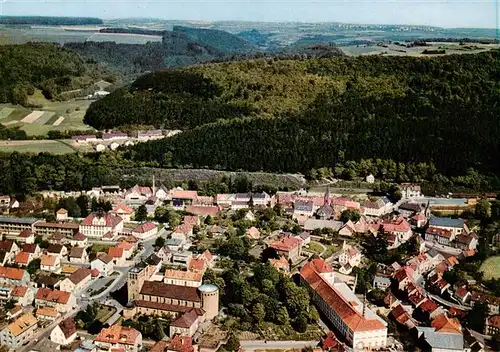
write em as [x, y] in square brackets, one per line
[313, 314]
[483, 209]
[83, 204]
[258, 312]
[376, 296]
[159, 242]
[233, 343]
[350, 214]
[209, 220]
[141, 214]
[300, 323]
[476, 317]
[33, 266]
[282, 317]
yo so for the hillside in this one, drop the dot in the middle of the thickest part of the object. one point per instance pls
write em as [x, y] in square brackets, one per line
[179, 48]
[311, 113]
[222, 41]
[24, 68]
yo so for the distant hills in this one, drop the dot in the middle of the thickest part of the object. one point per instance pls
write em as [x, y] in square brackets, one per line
[50, 20]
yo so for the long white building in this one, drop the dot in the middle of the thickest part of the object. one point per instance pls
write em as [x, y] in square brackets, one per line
[360, 326]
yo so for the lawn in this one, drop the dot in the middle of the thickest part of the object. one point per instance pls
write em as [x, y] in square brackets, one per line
[104, 313]
[315, 247]
[275, 332]
[36, 146]
[96, 247]
[491, 268]
[330, 249]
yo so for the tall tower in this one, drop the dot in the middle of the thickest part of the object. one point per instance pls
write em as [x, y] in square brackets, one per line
[154, 188]
[327, 196]
[209, 300]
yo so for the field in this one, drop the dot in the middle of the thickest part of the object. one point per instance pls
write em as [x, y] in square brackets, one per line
[53, 116]
[123, 38]
[398, 50]
[67, 34]
[37, 146]
[491, 268]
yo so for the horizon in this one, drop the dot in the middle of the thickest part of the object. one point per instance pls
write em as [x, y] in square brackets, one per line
[473, 14]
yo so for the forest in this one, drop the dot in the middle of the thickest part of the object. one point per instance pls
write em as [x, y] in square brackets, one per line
[49, 20]
[295, 115]
[48, 67]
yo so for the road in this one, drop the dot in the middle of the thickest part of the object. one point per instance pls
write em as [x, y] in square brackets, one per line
[253, 345]
[448, 303]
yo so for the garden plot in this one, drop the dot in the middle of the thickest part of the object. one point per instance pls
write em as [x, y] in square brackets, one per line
[35, 115]
[58, 121]
[5, 112]
[44, 118]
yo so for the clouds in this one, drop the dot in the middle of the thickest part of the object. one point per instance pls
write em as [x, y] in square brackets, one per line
[451, 13]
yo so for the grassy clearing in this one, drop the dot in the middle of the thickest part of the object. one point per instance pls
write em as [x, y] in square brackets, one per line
[96, 247]
[315, 247]
[330, 249]
[36, 146]
[5, 112]
[491, 268]
[104, 313]
[274, 332]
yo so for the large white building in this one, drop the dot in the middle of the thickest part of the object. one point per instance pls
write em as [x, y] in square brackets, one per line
[100, 226]
[360, 326]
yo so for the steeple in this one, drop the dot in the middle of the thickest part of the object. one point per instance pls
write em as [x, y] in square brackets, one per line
[154, 188]
[327, 196]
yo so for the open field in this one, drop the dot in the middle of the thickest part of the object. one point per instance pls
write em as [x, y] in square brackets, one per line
[52, 116]
[36, 146]
[491, 268]
[399, 50]
[123, 38]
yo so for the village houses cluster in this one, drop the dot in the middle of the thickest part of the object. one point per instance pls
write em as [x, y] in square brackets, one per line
[169, 280]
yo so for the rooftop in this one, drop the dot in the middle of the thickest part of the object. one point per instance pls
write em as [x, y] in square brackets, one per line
[286, 243]
[118, 334]
[46, 294]
[156, 288]
[341, 298]
[26, 221]
[446, 222]
[21, 324]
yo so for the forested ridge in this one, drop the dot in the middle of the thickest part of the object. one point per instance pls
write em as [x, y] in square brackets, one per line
[49, 20]
[304, 114]
[47, 67]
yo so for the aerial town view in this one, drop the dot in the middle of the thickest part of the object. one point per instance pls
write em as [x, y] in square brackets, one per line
[239, 176]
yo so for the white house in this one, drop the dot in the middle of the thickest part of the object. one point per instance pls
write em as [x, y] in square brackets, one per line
[103, 263]
[123, 211]
[64, 333]
[76, 281]
[61, 214]
[370, 178]
[51, 263]
[411, 191]
[98, 225]
[78, 255]
[120, 338]
[145, 230]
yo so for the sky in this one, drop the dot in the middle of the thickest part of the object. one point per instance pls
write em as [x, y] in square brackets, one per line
[443, 13]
